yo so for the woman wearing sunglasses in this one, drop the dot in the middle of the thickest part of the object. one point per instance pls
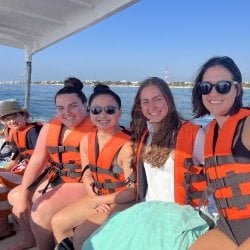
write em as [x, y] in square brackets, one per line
[106, 154]
[168, 154]
[218, 91]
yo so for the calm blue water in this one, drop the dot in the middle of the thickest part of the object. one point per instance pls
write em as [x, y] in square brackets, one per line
[42, 100]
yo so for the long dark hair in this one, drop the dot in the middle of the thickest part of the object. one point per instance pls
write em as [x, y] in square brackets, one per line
[226, 62]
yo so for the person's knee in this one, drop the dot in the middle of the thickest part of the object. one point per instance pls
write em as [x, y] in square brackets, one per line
[57, 222]
[13, 196]
[39, 213]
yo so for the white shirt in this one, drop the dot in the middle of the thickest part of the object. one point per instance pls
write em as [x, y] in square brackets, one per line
[161, 180]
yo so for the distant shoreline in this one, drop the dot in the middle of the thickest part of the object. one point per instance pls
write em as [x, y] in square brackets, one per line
[116, 84]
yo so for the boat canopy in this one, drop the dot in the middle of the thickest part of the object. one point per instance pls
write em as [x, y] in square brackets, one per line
[33, 25]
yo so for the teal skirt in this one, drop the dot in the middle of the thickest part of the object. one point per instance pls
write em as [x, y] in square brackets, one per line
[149, 226]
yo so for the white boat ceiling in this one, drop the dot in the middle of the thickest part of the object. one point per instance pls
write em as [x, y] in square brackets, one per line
[33, 25]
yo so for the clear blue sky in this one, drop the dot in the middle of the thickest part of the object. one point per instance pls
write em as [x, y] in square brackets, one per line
[143, 40]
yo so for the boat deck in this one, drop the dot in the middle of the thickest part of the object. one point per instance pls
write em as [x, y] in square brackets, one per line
[4, 244]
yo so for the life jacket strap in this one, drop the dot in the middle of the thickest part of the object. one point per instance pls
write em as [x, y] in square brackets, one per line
[71, 166]
[69, 173]
[189, 179]
[39, 179]
[240, 202]
[193, 195]
[62, 149]
[111, 186]
[189, 163]
[232, 179]
[219, 160]
[100, 170]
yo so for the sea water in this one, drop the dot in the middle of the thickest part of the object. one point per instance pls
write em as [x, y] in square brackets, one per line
[42, 104]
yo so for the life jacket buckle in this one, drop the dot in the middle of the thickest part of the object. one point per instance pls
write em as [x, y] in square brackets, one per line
[61, 149]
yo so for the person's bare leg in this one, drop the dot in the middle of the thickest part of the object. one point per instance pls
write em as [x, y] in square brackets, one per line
[47, 206]
[27, 240]
[215, 240]
[65, 220]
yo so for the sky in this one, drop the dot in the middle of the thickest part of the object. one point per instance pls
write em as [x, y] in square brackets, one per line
[170, 39]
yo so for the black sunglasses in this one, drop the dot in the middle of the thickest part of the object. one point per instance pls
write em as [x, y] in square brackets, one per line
[96, 110]
[222, 87]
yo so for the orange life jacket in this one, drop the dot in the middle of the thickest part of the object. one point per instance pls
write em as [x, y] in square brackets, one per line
[108, 177]
[230, 178]
[65, 159]
[20, 138]
[190, 180]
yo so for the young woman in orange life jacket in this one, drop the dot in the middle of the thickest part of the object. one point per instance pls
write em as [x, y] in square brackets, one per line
[22, 136]
[106, 154]
[66, 130]
[218, 91]
[169, 153]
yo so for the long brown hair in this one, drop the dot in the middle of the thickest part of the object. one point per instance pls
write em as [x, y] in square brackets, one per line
[164, 139]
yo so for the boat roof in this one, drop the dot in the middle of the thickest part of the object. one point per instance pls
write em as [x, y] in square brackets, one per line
[33, 25]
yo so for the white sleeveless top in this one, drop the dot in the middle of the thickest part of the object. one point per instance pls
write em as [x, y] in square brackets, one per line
[161, 180]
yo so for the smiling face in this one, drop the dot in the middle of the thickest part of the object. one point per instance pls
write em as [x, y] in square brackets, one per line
[153, 104]
[103, 120]
[218, 104]
[70, 110]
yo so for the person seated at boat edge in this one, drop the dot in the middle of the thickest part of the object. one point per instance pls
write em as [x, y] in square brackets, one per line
[22, 135]
[218, 91]
[59, 140]
[169, 150]
[106, 154]
[5, 149]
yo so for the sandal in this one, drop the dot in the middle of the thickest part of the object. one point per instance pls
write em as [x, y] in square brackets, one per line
[12, 233]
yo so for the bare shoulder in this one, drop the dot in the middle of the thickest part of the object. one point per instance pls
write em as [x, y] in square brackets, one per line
[126, 148]
[125, 156]
[84, 140]
[246, 133]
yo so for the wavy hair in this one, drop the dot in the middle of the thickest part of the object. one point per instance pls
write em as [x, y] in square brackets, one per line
[164, 139]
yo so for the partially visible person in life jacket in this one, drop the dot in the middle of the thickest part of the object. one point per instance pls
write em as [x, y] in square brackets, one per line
[169, 151]
[106, 154]
[21, 135]
[5, 149]
[218, 92]
[58, 142]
